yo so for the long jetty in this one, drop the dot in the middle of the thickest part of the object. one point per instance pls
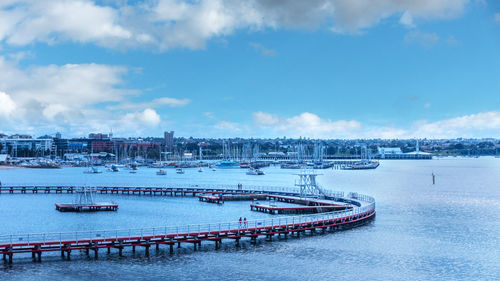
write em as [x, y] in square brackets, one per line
[362, 211]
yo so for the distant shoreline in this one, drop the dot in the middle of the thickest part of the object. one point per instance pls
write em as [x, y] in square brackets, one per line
[6, 167]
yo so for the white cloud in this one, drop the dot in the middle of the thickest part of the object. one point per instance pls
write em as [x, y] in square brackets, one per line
[209, 115]
[149, 117]
[425, 39]
[307, 125]
[60, 20]
[159, 102]
[167, 24]
[483, 124]
[7, 105]
[70, 98]
[496, 17]
[407, 19]
[227, 126]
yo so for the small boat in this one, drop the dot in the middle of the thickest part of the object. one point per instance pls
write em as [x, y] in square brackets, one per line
[200, 170]
[255, 172]
[92, 170]
[133, 171]
[228, 165]
[214, 169]
[115, 168]
[179, 171]
[161, 172]
[362, 165]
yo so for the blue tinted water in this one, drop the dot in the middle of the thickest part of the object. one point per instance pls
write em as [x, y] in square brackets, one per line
[446, 231]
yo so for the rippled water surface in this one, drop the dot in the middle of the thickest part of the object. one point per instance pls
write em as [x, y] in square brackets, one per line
[446, 231]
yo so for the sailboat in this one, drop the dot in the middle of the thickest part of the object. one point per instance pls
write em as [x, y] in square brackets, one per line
[91, 169]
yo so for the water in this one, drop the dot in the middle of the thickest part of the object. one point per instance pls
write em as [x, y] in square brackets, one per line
[446, 231]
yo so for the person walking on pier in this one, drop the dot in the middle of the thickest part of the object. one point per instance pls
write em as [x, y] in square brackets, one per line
[240, 221]
[245, 222]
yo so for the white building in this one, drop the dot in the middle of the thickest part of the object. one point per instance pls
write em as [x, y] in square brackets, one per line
[25, 143]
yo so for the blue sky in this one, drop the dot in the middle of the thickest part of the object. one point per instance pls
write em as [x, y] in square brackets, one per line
[215, 68]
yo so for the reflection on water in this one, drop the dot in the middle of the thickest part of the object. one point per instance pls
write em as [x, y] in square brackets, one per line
[422, 231]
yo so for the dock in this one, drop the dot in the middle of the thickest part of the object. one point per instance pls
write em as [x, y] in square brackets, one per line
[273, 209]
[231, 197]
[100, 206]
[360, 211]
[195, 235]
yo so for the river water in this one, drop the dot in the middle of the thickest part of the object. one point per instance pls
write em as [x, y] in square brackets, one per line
[446, 231]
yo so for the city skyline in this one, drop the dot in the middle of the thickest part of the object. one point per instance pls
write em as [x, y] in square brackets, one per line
[318, 69]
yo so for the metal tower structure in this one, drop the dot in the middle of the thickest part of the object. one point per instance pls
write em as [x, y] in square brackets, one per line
[85, 196]
[307, 184]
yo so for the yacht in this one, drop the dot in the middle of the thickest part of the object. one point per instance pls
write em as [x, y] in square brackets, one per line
[228, 165]
[179, 171]
[255, 172]
[362, 165]
[161, 172]
[92, 170]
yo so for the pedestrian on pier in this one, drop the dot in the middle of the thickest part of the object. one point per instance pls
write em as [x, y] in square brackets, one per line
[240, 221]
[245, 222]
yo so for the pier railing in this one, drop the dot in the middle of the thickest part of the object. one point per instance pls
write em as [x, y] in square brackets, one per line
[215, 187]
[117, 235]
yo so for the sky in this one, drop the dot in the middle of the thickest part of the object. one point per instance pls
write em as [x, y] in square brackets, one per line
[330, 69]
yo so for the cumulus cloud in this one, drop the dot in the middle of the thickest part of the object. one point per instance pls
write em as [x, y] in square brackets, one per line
[148, 117]
[70, 98]
[483, 124]
[167, 24]
[159, 102]
[58, 20]
[7, 105]
[227, 126]
[307, 125]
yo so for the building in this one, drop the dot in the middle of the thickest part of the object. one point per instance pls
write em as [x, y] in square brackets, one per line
[383, 151]
[396, 153]
[12, 145]
[169, 140]
[98, 145]
[77, 145]
[100, 136]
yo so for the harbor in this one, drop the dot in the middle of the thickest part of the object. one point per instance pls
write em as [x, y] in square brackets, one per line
[146, 199]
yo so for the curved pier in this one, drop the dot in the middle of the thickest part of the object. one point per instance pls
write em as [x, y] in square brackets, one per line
[362, 210]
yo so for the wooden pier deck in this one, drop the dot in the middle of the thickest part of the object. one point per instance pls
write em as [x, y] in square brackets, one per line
[101, 206]
[65, 243]
[231, 197]
[272, 209]
[362, 210]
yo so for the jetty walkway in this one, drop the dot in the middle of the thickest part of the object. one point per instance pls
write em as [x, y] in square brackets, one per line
[362, 210]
